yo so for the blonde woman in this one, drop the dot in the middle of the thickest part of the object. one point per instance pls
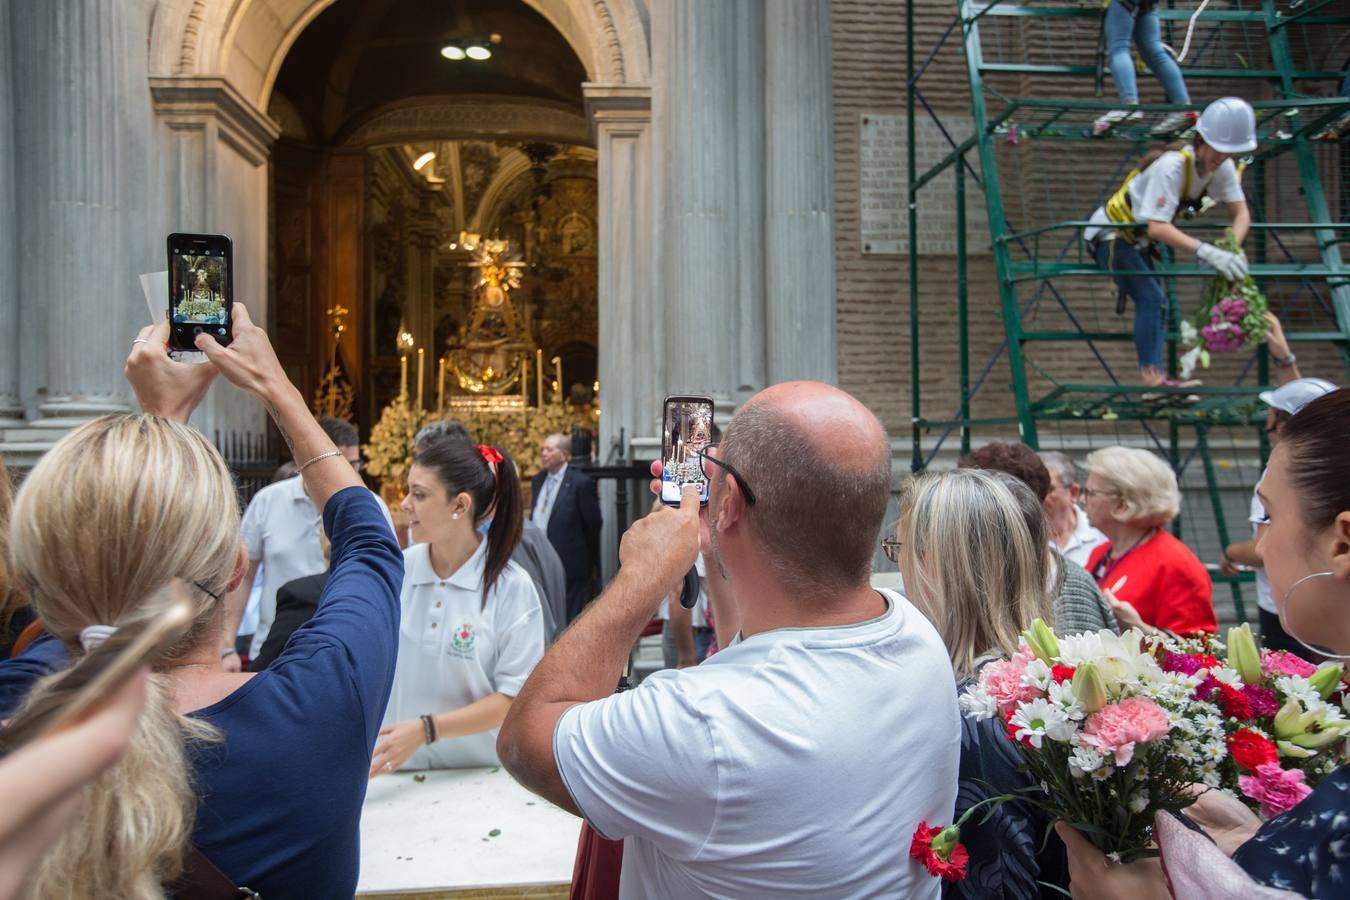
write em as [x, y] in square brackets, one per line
[1150, 577]
[263, 774]
[971, 563]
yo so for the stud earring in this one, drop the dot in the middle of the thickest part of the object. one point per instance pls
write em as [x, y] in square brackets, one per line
[454, 515]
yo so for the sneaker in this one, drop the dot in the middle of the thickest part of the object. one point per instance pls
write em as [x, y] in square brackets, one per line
[1173, 123]
[1113, 118]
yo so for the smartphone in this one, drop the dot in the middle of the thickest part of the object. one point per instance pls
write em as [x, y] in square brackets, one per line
[686, 428]
[155, 638]
[201, 288]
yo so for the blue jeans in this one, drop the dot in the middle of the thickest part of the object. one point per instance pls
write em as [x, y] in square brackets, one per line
[1150, 303]
[1121, 27]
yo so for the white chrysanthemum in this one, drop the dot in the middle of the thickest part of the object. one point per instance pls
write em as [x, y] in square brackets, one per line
[1214, 751]
[978, 705]
[1209, 775]
[1084, 761]
[1037, 675]
[1227, 676]
[1138, 801]
[1037, 719]
[1298, 689]
[1062, 696]
[1117, 657]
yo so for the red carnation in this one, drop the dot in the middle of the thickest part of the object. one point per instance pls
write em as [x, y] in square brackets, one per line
[1250, 749]
[940, 850]
[1234, 703]
[1061, 673]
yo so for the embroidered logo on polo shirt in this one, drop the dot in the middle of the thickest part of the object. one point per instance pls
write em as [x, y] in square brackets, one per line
[461, 642]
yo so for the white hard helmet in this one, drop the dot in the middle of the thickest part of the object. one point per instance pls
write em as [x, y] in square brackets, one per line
[1229, 125]
[1297, 394]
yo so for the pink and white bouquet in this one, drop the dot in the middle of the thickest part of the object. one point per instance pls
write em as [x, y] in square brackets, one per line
[1111, 735]
[1284, 719]
[1231, 317]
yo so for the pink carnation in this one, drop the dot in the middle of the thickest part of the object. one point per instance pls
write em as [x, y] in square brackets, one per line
[1278, 790]
[1262, 700]
[1115, 729]
[1279, 662]
[1002, 680]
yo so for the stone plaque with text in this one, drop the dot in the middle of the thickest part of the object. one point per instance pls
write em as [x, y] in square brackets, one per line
[881, 183]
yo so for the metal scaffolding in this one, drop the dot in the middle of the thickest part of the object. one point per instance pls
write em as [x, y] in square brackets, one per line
[1017, 57]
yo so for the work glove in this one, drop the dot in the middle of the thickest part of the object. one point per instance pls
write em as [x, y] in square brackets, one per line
[1232, 266]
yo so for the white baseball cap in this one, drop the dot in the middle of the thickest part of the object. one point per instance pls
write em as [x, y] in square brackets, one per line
[1297, 394]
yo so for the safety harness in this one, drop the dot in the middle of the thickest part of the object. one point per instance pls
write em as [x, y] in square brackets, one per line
[1120, 212]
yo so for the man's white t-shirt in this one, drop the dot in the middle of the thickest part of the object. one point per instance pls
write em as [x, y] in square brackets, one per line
[795, 763]
[453, 650]
[1082, 541]
[1155, 193]
[1257, 516]
[281, 530]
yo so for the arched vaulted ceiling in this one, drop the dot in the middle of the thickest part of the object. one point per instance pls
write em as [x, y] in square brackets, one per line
[359, 57]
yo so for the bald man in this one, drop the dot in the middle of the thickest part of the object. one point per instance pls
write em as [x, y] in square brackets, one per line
[798, 761]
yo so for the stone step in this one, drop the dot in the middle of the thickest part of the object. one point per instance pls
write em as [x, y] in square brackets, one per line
[31, 435]
[23, 454]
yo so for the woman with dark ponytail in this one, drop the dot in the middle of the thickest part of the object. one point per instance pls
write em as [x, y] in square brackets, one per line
[471, 624]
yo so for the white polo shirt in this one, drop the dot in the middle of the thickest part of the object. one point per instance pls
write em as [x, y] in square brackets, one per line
[452, 650]
[1083, 541]
[1155, 193]
[281, 530]
[1257, 516]
[795, 763]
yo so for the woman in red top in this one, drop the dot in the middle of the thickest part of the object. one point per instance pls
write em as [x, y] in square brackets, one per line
[1150, 577]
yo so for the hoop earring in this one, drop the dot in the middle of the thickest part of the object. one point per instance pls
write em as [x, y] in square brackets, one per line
[1312, 648]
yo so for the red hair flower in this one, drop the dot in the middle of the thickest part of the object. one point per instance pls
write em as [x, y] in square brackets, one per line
[940, 850]
[491, 455]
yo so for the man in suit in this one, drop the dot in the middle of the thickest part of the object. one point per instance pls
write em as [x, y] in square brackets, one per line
[567, 508]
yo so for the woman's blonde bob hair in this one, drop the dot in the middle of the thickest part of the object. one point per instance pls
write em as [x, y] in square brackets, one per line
[111, 514]
[1145, 486]
[978, 573]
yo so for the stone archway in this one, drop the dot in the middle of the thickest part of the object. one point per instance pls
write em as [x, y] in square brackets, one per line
[246, 41]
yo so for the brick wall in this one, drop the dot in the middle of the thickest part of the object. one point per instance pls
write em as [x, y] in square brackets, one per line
[1043, 182]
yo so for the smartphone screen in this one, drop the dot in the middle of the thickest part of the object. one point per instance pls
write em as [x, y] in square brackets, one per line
[687, 424]
[200, 288]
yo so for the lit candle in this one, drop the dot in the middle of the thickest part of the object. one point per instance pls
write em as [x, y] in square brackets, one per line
[421, 358]
[557, 373]
[440, 388]
[539, 377]
[524, 380]
[403, 375]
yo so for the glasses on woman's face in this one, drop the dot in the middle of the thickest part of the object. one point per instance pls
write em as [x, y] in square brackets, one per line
[1088, 493]
[891, 547]
[705, 456]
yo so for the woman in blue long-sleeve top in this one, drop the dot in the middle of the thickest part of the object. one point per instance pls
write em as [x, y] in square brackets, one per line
[263, 774]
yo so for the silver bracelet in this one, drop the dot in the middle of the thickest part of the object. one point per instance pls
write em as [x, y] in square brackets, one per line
[316, 459]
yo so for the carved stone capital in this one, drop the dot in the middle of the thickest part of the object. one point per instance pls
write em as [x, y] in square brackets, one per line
[191, 101]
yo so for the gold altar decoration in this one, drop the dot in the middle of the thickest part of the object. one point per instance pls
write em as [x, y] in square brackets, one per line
[335, 394]
[521, 434]
[490, 353]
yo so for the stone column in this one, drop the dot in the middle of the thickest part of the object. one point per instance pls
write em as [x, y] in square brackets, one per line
[213, 148]
[632, 358]
[632, 349]
[799, 226]
[81, 130]
[11, 408]
[712, 331]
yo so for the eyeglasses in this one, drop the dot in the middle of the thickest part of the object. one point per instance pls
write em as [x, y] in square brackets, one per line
[1091, 492]
[891, 547]
[357, 464]
[704, 457]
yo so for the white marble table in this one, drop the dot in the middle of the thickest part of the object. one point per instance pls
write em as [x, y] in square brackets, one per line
[435, 838]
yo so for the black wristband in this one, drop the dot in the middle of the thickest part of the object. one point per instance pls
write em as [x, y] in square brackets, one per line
[429, 729]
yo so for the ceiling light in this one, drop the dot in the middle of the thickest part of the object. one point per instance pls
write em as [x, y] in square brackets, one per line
[479, 52]
[423, 160]
[452, 51]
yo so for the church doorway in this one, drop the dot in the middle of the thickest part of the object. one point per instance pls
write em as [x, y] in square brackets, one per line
[423, 147]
